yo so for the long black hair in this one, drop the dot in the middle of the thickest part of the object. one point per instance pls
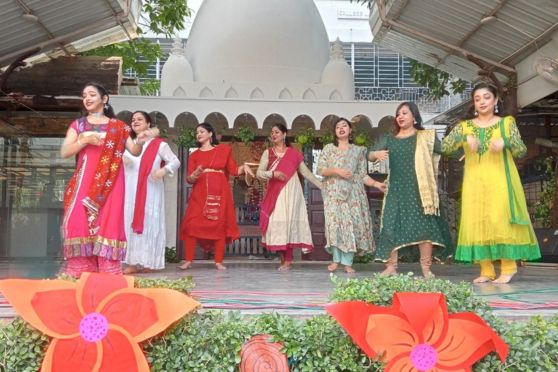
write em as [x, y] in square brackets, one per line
[416, 114]
[147, 118]
[208, 127]
[283, 130]
[471, 113]
[339, 120]
[108, 111]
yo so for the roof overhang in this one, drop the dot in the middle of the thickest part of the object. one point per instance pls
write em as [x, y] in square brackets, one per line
[507, 37]
[64, 27]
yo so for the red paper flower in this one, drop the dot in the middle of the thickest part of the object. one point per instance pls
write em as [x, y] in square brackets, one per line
[417, 334]
[96, 323]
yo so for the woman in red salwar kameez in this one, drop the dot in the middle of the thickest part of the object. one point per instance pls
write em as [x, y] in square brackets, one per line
[210, 218]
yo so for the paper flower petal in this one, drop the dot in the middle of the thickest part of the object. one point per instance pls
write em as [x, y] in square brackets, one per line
[59, 312]
[20, 292]
[92, 288]
[353, 317]
[401, 363]
[134, 319]
[468, 339]
[169, 306]
[427, 313]
[71, 355]
[390, 335]
[121, 353]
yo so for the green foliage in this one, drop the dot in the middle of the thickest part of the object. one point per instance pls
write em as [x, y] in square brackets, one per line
[306, 138]
[184, 284]
[170, 255]
[362, 139]
[149, 87]
[326, 138]
[211, 340]
[245, 135]
[21, 347]
[160, 17]
[130, 51]
[543, 208]
[435, 80]
[186, 138]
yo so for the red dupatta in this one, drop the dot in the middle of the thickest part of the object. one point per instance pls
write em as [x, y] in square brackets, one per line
[105, 173]
[146, 165]
[288, 165]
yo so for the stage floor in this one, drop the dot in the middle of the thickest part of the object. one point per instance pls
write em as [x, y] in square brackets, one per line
[255, 286]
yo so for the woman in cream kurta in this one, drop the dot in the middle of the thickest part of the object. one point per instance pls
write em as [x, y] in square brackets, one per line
[288, 225]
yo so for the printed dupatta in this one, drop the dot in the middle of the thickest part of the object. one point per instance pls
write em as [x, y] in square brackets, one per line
[105, 173]
[288, 165]
[146, 165]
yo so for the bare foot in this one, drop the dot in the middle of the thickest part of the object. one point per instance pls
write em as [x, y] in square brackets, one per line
[349, 270]
[503, 279]
[285, 267]
[130, 270]
[428, 274]
[389, 271]
[220, 266]
[482, 279]
[332, 267]
[185, 266]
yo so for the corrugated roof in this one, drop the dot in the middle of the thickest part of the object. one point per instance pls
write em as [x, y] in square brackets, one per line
[519, 28]
[64, 26]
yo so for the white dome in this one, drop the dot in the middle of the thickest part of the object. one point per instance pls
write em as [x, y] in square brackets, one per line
[258, 40]
[176, 70]
[339, 73]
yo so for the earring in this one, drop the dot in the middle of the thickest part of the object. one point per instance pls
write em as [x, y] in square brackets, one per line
[475, 113]
[106, 106]
[496, 108]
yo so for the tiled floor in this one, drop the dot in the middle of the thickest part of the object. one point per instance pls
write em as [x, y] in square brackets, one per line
[257, 286]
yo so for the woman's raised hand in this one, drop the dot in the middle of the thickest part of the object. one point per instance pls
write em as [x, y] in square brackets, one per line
[473, 143]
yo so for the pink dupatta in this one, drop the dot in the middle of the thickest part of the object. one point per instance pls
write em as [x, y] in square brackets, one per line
[288, 165]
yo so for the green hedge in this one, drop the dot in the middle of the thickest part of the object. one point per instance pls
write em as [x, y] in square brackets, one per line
[211, 340]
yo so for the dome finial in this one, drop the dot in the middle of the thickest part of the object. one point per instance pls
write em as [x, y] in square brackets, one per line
[336, 50]
[177, 48]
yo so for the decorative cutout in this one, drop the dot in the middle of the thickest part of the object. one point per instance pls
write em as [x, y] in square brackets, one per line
[257, 94]
[417, 334]
[206, 93]
[179, 92]
[231, 93]
[98, 322]
[309, 95]
[285, 94]
[261, 355]
[335, 96]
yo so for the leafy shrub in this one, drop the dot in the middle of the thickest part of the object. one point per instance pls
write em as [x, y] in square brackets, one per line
[211, 340]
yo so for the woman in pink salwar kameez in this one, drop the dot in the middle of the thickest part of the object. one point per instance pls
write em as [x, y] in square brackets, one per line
[93, 225]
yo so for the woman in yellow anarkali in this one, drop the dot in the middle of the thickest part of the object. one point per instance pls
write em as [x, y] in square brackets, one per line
[495, 224]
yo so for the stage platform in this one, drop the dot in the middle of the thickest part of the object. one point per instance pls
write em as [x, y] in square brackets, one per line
[256, 286]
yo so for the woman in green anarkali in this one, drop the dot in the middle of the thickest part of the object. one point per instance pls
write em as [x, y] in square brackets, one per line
[411, 212]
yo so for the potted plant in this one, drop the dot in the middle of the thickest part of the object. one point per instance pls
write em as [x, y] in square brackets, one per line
[245, 135]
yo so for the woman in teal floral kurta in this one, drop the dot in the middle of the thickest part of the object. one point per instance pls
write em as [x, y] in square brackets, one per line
[348, 225]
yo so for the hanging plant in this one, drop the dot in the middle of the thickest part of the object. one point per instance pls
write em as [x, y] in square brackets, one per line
[305, 138]
[326, 138]
[362, 139]
[186, 138]
[245, 135]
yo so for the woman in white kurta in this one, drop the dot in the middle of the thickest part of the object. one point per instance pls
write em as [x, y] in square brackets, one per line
[283, 214]
[144, 212]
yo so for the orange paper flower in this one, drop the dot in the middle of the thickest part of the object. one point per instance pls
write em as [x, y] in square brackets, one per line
[417, 334]
[96, 323]
[259, 354]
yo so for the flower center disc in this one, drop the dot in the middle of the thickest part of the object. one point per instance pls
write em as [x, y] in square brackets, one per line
[93, 327]
[424, 357]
